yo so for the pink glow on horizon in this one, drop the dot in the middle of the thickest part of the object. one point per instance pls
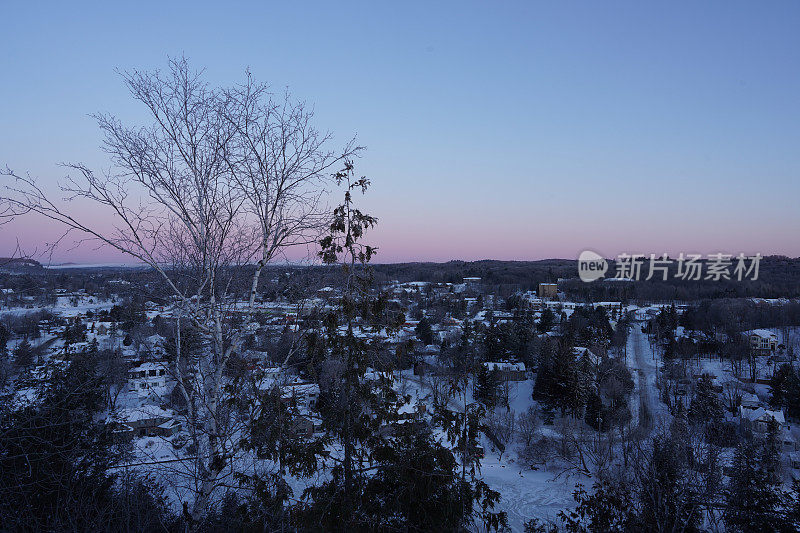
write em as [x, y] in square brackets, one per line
[443, 238]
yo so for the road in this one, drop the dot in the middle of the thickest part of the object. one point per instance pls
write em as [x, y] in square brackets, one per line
[646, 370]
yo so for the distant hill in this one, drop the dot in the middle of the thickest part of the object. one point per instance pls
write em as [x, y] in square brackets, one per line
[779, 277]
[20, 265]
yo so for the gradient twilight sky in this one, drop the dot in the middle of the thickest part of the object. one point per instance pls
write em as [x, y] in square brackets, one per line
[506, 130]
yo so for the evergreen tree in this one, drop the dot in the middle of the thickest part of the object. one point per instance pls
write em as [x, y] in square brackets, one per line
[785, 390]
[706, 407]
[755, 501]
[424, 331]
[54, 457]
[352, 410]
[486, 384]
[5, 336]
[23, 354]
[594, 412]
[669, 501]
[417, 488]
[607, 509]
[546, 321]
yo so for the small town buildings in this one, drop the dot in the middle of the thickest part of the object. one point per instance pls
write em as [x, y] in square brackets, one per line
[472, 283]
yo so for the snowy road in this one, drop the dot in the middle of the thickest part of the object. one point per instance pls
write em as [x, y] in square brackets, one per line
[646, 371]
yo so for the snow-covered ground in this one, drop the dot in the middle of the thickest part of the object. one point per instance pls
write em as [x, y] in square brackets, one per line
[527, 493]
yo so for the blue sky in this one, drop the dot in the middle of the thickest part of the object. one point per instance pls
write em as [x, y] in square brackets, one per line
[494, 130]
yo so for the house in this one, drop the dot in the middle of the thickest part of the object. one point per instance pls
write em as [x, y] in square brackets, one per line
[794, 460]
[788, 442]
[583, 352]
[507, 371]
[762, 341]
[303, 395]
[750, 401]
[716, 385]
[148, 378]
[145, 421]
[303, 425]
[759, 419]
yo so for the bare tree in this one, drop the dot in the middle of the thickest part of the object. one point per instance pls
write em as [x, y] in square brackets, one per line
[219, 184]
[439, 387]
[502, 424]
[528, 425]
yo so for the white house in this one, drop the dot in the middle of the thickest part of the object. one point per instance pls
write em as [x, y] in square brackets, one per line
[760, 418]
[750, 401]
[509, 371]
[763, 341]
[148, 378]
[303, 395]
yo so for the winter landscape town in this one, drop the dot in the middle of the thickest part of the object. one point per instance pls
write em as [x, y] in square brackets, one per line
[539, 398]
[422, 267]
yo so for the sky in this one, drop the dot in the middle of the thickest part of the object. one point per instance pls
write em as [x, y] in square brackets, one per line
[494, 130]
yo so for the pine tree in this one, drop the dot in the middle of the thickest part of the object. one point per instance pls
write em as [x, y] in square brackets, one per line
[54, 457]
[5, 336]
[417, 488]
[486, 384]
[424, 331]
[706, 407]
[755, 501]
[23, 354]
[352, 410]
[546, 321]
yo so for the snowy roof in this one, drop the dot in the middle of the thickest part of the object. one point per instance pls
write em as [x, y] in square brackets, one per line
[764, 333]
[148, 366]
[582, 351]
[749, 398]
[300, 389]
[374, 375]
[132, 414]
[505, 366]
[761, 414]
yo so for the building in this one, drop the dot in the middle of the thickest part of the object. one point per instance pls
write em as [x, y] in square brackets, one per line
[148, 378]
[303, 425]
[582, 352]
[472, 283]
[760, 419]
[302, 395]
[763, 342]
[548, 290]
[507, 371]
[145, 421]
[750, 401]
